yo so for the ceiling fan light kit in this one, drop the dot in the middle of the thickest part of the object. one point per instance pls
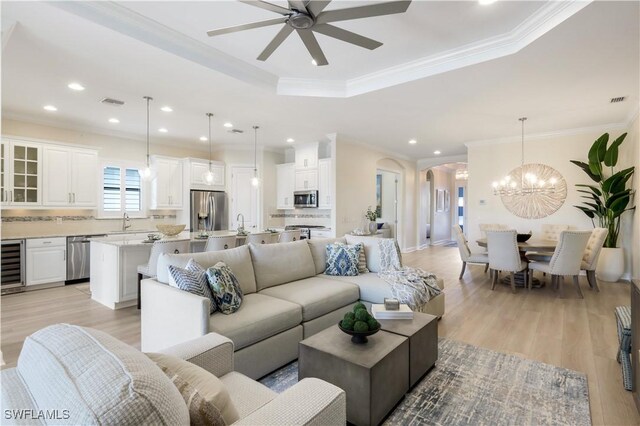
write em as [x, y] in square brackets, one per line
[307, 17]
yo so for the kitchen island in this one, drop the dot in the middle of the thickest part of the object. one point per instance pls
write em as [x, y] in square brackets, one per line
[115, 260]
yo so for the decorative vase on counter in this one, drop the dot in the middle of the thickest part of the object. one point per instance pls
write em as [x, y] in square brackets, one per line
[610, 264]
[373, 227]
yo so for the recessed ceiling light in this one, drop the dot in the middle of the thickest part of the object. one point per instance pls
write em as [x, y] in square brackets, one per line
[437, 152]
[203, 138]
[50, 108]
[413, 141]
[75, 86]
[166, 109]
[228, 125]
[314, 63]
[291, 140]
[114, 120]
[486, 2]
[162, 130]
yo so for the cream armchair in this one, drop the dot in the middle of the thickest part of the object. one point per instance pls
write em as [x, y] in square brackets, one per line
[591, 255]
[504, 255]
[466, 255]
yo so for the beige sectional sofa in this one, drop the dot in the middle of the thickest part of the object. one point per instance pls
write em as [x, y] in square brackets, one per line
[287, 298]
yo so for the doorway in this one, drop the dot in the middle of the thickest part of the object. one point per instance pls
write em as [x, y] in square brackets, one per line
[387, 202]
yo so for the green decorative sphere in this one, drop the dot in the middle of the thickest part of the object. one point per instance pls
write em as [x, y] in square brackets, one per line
[347, 323]
[359, 305]
[360, 327]
[373, 324]
[350, 315]
[362, 315]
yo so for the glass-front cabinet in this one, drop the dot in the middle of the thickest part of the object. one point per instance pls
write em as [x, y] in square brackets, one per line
[21, 173]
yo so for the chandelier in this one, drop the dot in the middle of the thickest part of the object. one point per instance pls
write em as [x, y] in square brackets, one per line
[524, 180]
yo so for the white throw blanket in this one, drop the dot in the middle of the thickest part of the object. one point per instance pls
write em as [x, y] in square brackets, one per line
[411, 286]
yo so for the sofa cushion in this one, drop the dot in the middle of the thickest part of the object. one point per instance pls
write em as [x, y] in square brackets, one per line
[238, 259]
[247, 394]
[373, 289]
[318, 247]
[281, 263]
[225, 288]
[210, 389]
[371, 250]
[97, 378]
[317, 296]
[258, 318]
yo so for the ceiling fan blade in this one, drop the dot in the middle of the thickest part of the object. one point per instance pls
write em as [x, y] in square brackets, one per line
[298, 5]
[314, 7]
[267, 6]
[379, 9]
[313, 47]
[246, 26]
[348, 36]
[275, 43]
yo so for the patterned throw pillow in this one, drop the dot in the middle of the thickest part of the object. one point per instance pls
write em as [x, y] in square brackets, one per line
[225, 288]
[342, 260]
[362, 260]
[194, 280]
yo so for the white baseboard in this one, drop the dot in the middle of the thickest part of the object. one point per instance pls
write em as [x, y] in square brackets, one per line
[408, 250]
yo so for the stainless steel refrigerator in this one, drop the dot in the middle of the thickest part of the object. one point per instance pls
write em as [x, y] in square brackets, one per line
[209, 211]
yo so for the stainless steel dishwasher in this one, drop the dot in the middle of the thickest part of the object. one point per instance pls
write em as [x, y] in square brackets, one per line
[78, 258]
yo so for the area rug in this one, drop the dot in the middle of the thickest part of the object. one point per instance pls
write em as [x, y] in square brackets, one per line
[474, 386]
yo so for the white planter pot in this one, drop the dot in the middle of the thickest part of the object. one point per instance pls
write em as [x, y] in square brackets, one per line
[610, 264]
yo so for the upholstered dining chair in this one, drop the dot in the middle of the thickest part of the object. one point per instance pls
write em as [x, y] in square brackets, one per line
[566, 259]
[548, 232]
[158, 248]
[220, 242]
[259, 238]
[466, 255]
[484, 227]
[591, 255]
[504, 255]
[288, 236]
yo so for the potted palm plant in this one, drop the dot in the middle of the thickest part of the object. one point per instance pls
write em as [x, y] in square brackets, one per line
[607, 200]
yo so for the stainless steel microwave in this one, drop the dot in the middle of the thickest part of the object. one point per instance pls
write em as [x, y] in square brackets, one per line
[305, 199]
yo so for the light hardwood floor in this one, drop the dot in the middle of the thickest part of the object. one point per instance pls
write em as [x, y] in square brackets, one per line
[579, 334]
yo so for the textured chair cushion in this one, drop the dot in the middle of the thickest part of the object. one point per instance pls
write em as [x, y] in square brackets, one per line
[208, 387]
[318, 247]
[276, 264]
[99, 379]
[342, 259]
[258, 318]
[224, 287]
[247, 394]
[316, 296]
[371, 250]
[193, 279]
[238, 259]
[16, 396]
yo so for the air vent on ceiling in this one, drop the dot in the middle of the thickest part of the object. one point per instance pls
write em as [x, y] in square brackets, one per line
[236, 131]
[618, 99]
[111, 101]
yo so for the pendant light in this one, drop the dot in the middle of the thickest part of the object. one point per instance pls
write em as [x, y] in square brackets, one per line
[255, 181]
[147, 173]
[208, 177]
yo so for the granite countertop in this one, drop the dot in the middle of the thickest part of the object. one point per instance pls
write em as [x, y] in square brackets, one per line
[77, 234]
[132, 240]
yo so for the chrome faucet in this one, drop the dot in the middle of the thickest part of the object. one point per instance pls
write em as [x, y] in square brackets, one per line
[125, 222]
[241, 227]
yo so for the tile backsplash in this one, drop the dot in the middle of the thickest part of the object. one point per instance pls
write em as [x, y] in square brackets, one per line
[306, 217]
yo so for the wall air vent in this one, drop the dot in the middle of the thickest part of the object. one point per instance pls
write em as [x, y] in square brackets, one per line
[236, 131]
[618, 99]
[111, 101]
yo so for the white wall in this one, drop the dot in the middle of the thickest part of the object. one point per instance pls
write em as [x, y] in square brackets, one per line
[629, 156]
[489, 162]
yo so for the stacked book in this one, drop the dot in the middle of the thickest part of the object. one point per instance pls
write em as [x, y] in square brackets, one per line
[379, 312]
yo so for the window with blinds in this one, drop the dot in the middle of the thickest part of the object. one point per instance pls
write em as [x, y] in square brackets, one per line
[121, 186]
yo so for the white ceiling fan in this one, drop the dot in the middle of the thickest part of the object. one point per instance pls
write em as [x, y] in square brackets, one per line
[307, 16]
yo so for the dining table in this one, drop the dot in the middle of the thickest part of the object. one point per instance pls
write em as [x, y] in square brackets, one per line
[531, 245]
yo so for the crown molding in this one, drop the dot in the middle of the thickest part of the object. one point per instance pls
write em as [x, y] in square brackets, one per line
[549, 135]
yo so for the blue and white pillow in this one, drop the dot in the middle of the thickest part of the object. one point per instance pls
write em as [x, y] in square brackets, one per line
[342, 259]
[225, 288]
[194, 280]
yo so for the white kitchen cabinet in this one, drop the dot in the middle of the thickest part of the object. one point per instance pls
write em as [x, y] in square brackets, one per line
[46, 260]
[306, 156]
[21, 174]
[197, 171]
[325, 184]
[166, 186]
[285, 184]
[306, 180]
[69, 177]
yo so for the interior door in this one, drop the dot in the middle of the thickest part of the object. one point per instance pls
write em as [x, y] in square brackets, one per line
[244, 198]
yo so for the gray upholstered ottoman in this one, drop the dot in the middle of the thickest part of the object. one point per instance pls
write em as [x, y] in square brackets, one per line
[422, 332]
[373, 375]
